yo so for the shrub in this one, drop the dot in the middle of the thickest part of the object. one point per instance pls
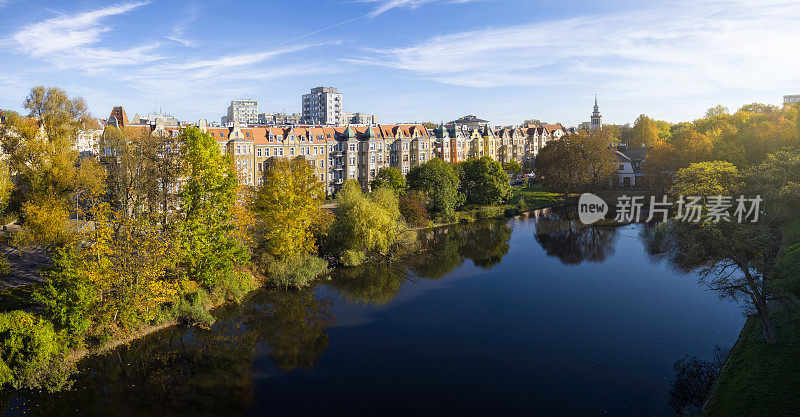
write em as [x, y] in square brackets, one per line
[353, 257]
[412, 207]
[297, 272]
[67, 295]
[29, 348]
[490, 212]
[193, 309]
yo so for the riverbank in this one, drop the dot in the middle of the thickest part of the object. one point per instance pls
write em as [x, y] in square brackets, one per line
[760, 379]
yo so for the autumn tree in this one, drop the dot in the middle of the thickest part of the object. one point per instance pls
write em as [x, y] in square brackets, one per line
[367, 226]
[645, 132]
[49, 178]
[288, 209]
[575, 162]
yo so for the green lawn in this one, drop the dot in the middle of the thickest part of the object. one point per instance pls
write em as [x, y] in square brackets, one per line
[762, 380]
[535, 196]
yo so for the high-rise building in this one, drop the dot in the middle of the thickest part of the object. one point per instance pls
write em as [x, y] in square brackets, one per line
[242, 111]
[323, 106]
[597, 119]
[794, 98]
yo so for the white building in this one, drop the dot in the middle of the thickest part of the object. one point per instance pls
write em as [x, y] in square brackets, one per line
[242, 111]
[323, 106]
[360, 118]
[794, 98]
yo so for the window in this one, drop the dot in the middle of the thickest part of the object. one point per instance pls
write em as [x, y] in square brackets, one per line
[238, 149]
[258, 152]
[291, 151]
[266, 151]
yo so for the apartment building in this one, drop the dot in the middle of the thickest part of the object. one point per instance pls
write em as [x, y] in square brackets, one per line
[323, 106]
[241, 111]
[360, 118]
[280, 119]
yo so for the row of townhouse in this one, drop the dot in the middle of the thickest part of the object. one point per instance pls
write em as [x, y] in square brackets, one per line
[358, 152]
[336, 153]
[457, 144]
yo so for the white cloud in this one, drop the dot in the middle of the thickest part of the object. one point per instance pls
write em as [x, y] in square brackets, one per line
[67, 32]
[386, 5]
[678, 50]
[70, 41]
[178, 31]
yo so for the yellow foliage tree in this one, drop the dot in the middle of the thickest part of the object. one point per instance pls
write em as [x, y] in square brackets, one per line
[287, 209]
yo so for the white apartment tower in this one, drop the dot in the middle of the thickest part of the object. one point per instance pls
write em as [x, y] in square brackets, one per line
[323, 106]
[242, 111]
[596, 121]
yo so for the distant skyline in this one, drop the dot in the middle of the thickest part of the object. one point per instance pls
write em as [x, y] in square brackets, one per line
[407, 60]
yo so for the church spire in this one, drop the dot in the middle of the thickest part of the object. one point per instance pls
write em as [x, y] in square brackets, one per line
[596, 120]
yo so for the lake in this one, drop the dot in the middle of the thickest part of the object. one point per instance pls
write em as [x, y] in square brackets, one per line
[529, 316]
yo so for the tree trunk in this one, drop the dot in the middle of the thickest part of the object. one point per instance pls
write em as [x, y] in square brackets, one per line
[760, 302]
[766, 324]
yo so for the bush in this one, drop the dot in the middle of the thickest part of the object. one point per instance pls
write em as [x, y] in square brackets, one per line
[412, 207]
[29, 349]
[67, 295]
[297, 272]
[193, 309]
[353, 257]
[490, 212]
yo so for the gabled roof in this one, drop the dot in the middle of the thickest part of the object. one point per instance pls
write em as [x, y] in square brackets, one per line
[636, 154]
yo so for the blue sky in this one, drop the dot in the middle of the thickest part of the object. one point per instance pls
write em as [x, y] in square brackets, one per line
[407, 60]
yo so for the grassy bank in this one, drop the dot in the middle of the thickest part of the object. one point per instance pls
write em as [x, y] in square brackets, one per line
[760, 379]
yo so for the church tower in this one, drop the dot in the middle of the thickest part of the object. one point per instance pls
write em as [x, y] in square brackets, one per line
[596, 122]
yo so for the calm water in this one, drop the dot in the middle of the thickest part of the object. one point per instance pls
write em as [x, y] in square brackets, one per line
[517, 318]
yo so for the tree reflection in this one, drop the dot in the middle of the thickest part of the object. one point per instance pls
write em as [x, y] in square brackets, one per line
[294, 327]
[485, 243]
[191, 371]
[694, 379]
[565, 237]
[368, 284]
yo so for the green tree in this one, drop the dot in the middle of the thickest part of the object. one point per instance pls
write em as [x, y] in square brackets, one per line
[68, 295]
[513, 168]
[391, 178]
[367, 226]
[439, 181]
[210, 253]
[707, 179]
[485, 182]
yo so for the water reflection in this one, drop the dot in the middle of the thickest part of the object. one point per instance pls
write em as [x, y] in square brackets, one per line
[192, 371]
[562, 235]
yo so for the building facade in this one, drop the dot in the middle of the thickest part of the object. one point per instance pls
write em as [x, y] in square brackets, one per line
[323, 106]
[360, 118]
[241, 111]
[791, 99]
